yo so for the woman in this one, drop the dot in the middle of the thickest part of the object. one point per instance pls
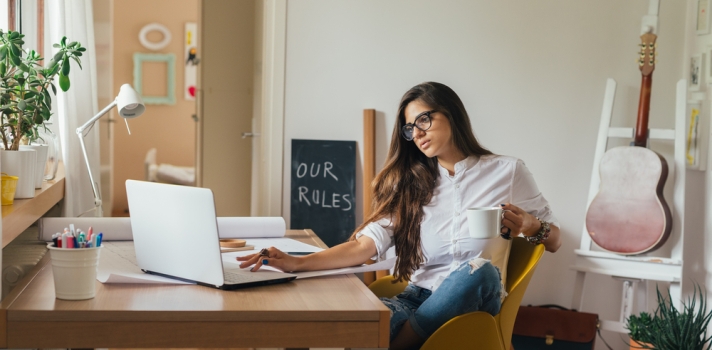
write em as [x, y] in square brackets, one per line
[435, 170]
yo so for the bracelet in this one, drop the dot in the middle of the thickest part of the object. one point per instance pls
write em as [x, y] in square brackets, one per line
[540, 236]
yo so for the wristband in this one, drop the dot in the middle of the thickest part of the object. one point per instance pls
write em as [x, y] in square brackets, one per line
[542, 235]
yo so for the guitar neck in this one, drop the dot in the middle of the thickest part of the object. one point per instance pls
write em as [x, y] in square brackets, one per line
[641, 127]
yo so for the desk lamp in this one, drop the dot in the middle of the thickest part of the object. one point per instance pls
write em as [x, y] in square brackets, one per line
[130, 106]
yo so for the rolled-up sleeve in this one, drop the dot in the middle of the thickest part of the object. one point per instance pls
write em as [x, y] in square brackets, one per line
[381, 232]
[526, 195]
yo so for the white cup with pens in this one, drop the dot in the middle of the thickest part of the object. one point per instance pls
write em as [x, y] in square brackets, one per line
[75, 261]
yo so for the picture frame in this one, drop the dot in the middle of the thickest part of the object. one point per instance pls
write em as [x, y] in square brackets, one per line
[702, 26]
[169, 60]
[696, 75]
[696, 141]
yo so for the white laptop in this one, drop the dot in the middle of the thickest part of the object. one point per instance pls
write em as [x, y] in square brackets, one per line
[175, 234]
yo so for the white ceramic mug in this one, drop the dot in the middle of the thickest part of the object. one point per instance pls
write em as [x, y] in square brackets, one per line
[484, 223]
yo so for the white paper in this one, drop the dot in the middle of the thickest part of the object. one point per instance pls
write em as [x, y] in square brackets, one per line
[382, 265]
[284, 244]
[117, 264]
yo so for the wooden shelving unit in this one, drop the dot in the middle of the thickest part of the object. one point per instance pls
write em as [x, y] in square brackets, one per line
[17, 217]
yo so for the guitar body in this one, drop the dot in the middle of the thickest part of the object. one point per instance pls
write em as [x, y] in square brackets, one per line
[629, 214]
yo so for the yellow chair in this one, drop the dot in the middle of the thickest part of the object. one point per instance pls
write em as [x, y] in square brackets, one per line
[480, 330]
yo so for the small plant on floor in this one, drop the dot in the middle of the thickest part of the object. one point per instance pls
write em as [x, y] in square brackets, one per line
[25, 100]
[641, 329]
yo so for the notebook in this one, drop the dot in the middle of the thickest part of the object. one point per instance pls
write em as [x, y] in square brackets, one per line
[175, 235]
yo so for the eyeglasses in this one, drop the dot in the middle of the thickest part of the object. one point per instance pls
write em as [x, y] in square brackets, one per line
[423, 122]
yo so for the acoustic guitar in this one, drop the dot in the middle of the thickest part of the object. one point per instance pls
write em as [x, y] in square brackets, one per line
[629, 214]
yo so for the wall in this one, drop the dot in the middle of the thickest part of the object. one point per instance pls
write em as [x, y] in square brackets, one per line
[531, 74]
[169, 128]
[699, 191]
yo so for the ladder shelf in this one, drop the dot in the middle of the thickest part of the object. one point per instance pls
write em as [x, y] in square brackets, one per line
[634, 269]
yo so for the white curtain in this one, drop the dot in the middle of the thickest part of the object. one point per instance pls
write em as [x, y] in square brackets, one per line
[74, 19]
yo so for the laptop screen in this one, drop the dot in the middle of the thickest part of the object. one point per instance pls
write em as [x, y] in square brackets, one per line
[175, 231]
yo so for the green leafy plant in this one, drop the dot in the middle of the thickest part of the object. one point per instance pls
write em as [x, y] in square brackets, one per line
[670, 328]
[641, 327]
[25, 100]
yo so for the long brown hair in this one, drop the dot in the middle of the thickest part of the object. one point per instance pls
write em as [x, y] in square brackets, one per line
[408, 178]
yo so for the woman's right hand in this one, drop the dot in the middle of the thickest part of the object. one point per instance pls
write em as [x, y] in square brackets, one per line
[271, 257]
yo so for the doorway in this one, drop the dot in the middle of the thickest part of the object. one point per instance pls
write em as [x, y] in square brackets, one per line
[236, 94]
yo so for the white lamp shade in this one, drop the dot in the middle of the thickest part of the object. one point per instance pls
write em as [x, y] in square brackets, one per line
[129, 102]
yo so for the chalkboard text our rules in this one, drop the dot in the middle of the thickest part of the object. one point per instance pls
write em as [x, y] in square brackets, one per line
[317, 196]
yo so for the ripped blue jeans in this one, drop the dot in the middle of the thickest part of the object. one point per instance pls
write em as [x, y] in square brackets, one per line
[459, 293]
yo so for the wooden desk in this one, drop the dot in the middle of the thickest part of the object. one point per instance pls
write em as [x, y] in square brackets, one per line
[336, 311]
[17, 217]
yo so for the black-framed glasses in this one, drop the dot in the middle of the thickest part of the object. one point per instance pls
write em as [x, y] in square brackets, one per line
[423, 122]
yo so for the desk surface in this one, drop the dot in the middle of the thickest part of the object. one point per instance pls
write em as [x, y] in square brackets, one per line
[336, 311]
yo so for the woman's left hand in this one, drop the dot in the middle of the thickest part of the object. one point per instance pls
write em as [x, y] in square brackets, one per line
[516, 220]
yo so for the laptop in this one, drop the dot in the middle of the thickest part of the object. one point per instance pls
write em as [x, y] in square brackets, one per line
[175, 235]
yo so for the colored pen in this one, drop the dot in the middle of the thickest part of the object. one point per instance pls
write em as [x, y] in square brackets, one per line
[299, 253]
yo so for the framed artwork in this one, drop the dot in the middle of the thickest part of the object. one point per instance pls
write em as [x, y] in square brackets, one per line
[703, 17]
[166, 60]
[696, 138]
[696, 74]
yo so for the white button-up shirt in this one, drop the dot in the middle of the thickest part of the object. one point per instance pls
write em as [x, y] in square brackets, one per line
[486, 181]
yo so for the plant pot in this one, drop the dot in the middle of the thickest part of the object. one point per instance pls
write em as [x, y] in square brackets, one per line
[634, 345]
[21, 164]
[41, 162]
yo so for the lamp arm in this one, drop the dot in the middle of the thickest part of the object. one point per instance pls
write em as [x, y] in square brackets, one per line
[88, 124]
[97, 195]
[81, 135]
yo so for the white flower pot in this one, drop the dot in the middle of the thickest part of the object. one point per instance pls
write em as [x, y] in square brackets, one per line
[41, 161]
[21, 164]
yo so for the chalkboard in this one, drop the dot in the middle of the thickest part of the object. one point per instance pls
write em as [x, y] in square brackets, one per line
[323, 187]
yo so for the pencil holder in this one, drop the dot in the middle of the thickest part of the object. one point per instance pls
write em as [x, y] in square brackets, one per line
[74, 272]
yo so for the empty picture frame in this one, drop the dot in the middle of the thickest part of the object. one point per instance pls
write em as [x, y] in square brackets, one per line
[170, 62]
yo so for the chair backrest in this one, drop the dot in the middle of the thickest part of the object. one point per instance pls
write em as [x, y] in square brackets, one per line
[523, 259]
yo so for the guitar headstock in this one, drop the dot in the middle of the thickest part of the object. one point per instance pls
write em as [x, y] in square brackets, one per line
[647, 53]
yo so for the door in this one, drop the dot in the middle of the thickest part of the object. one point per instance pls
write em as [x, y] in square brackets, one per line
[226, 97]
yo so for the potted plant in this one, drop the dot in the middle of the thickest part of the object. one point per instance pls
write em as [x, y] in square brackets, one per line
[670, 328]
[640, 329]
[26, 102]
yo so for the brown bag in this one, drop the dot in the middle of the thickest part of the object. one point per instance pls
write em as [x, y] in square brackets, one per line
[554, 327]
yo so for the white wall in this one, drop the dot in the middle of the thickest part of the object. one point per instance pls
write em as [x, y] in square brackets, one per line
[698, 190]
[531, 74]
